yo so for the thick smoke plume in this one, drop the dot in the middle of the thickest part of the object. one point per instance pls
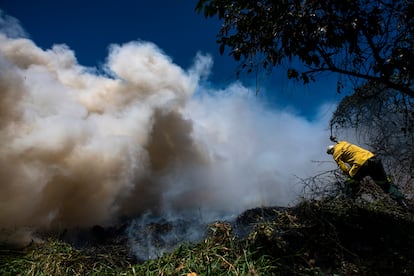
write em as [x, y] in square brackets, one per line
[84, 146]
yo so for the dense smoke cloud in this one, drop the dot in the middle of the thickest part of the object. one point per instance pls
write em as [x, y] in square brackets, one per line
[82, 146]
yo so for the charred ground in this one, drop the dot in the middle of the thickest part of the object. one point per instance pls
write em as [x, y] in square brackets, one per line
[333, 236]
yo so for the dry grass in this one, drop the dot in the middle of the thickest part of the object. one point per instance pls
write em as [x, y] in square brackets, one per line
[316, 237]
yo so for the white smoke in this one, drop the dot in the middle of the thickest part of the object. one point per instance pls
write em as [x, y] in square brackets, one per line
[11, 26]
[82, 146]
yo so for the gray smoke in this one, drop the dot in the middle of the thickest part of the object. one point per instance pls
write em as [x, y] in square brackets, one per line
[82, 146]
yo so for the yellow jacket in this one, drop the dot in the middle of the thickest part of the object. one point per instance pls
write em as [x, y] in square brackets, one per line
[353, 155]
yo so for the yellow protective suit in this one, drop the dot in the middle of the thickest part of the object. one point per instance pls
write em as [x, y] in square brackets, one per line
[352, 155]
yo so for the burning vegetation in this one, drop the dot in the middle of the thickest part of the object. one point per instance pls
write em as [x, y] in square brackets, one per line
[328, 236]
[84, 147]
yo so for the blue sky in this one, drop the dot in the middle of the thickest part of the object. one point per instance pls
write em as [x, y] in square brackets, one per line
[89, 27]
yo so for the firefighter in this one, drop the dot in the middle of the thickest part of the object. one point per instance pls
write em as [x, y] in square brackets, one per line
[357, 163]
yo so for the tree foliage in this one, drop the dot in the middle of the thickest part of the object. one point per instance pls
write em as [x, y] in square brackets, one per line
[363, 39]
